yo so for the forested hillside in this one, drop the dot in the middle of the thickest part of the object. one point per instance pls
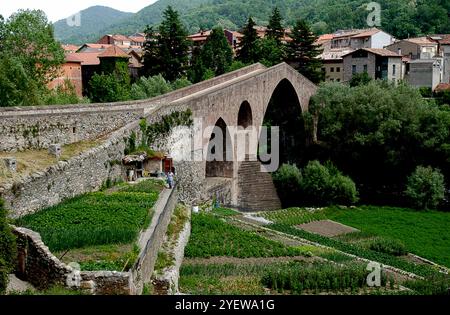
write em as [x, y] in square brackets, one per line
[402, 18]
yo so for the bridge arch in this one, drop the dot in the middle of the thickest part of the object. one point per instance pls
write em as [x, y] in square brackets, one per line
[219, 162]
[284, 109]
[245, 115]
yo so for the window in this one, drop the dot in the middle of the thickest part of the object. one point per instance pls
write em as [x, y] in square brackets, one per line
[332, 69]
[338, 80]
[354, 69]
[365, 68]
[338, 69]
[393, 69]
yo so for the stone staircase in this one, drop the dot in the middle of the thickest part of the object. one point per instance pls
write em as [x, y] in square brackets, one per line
[256, 189]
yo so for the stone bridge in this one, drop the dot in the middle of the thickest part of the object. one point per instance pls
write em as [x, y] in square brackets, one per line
[240, 98]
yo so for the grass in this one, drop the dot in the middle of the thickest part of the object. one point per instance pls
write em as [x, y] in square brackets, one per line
[292, 216]
[212, 236]
[225, 212]
[356, 250]
[31, 161]
[98, 218]
[424, 233]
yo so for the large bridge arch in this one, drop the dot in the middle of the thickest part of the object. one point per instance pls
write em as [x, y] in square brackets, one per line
[219, 157]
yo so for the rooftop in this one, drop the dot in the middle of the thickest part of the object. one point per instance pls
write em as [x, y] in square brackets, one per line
[113, 52]
[377, 51]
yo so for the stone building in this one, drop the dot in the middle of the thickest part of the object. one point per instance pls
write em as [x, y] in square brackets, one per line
[70, 71]
[365, 38]
[378, 63]
[415, 48]
[424, 73]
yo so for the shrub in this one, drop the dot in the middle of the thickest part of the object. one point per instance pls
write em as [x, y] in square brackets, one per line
[425, 187]
[287, 180]
[388, 246]
[7, 249]
[107, 88]
[324, 185]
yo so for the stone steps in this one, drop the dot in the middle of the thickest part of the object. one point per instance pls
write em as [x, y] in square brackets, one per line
[256, 189]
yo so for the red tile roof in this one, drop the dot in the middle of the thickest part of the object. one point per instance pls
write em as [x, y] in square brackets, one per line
[86, 59]
[442, 87]
[114, 52]
[69, 47]
[367, 33]
[421, 41]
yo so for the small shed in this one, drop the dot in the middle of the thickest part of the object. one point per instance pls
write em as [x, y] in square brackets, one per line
[134, 165]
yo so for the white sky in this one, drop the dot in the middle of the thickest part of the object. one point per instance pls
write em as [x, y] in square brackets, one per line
[61, 9]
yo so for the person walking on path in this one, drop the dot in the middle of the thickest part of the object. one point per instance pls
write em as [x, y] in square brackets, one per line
[170, 176]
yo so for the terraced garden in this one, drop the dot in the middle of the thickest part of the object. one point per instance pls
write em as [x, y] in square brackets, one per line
[228, 255]
[98, 230]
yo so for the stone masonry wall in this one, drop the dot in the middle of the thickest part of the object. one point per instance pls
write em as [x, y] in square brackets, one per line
[37, 127]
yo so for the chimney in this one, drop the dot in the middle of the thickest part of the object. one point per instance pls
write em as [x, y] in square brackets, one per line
[400, 51]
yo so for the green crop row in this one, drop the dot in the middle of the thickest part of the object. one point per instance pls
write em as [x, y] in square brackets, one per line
[212, 236]
[317, 277]
[98, 218]
[293, 216]
[356, 250]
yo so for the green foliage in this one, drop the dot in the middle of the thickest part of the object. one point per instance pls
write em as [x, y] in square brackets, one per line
[388, 246]
[17, 88]
[28, 36]
[424, 233]
[213, 237]
[7, 249]
[224, 212]
[437, 284]
[378, 133]
[356, 250]
[172, 46]
[360, 79]
[303, 52]
[217, 54]
[29, 58]
[93, 219]
[107, 88]
[287, 180]
[248, 49]
[130, 143]
[317, 278]
[155, 86]
[270, 52]
[275, 29]
[236, 65]
[316, 185]
[167, 123]
[63, 94]
[123, 263]
[426, 187]
[293, 216]
[150, 87]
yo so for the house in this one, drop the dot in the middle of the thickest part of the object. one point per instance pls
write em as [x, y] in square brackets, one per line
[424, 73]
[415, 48]
[378, 63]
[444, 51]
[333, 64]
[90, 63]
[118, 40]
[70, 71]
[69, 49]
[137, 39]
[364, 38]
[233, 38]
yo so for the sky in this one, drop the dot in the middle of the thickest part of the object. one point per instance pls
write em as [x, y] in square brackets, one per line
[60, 9]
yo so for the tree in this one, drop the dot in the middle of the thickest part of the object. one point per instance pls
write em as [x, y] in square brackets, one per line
[426, 187]
[270, 52]
[28, 36]
[275, 28]
[7, 249]
[152, 57]
[248, 50]
[197, 69]
[173, 46]
[378, 133]
[16, 86]
[360, 79]
[303, 53]
[107, 88]
[217, 54]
